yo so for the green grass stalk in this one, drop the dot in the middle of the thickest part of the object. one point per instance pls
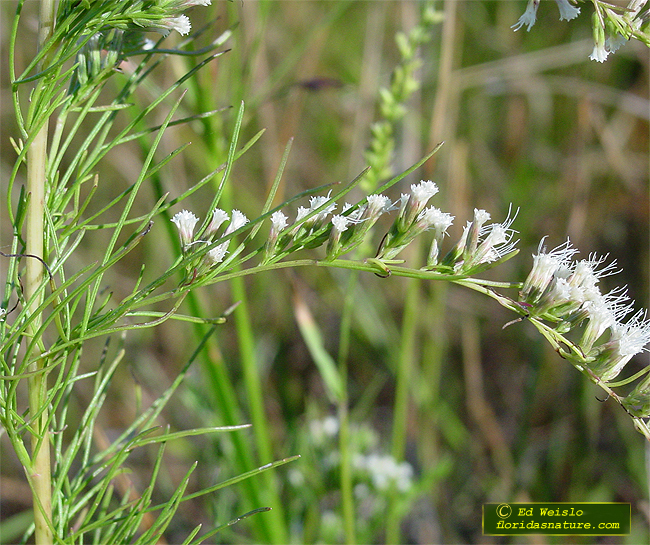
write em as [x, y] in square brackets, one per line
[401, 408]
[255, 397]
[347, 497]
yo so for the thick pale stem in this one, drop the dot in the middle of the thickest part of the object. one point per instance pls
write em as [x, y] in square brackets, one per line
[40, 471]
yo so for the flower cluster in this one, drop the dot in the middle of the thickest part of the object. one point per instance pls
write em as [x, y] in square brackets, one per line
[385, 472]
[413, 218]
[612, 26]
[565, 291]
[311, 228]
[186, 222]
[480, 246]
[567, 12]
[123, 33]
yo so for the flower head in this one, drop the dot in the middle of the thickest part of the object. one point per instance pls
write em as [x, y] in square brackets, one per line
[185, 221]
[278, 221]
[411, 205]
[529, 16]
[603, 311]
[600, 51]
[318, 201]
[486, 244]
[218, 217]
[439, 222]
[340, 223]
[238, 220]
[546, 267]
[218, 253]
[179, 23]
[385, 472]
[627, 340]
[567, 10]
[377, 205]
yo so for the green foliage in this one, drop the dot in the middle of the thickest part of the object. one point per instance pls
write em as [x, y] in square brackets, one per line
[409, 426]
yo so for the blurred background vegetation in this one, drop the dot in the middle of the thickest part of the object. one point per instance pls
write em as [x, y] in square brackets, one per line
[493, 414]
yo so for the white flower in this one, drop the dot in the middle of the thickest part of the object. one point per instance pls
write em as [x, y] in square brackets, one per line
[330, 426]
[546, 266]
[278, 221]
[340, 223]
[567, 11]
[296, 477]
[614, 43]
[603, 312]
[586, 274]
[218, 217]
[616, 40]
[474, 232]
[179, 23]
[301, 213]
[498, 243]
[238, 220]
[185, 221]
[317, 202]
[218, 253]
[423, 191]
[599, 53]
[377, 205]
[412, 205]
[481, 216]
[385, 472]
[323, 430]
[529, 16]
[627, 341]
[436, 219]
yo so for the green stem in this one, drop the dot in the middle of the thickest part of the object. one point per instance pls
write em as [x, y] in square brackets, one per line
[40, 470]
[255, 396]
[347, 496]
[401, 410]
